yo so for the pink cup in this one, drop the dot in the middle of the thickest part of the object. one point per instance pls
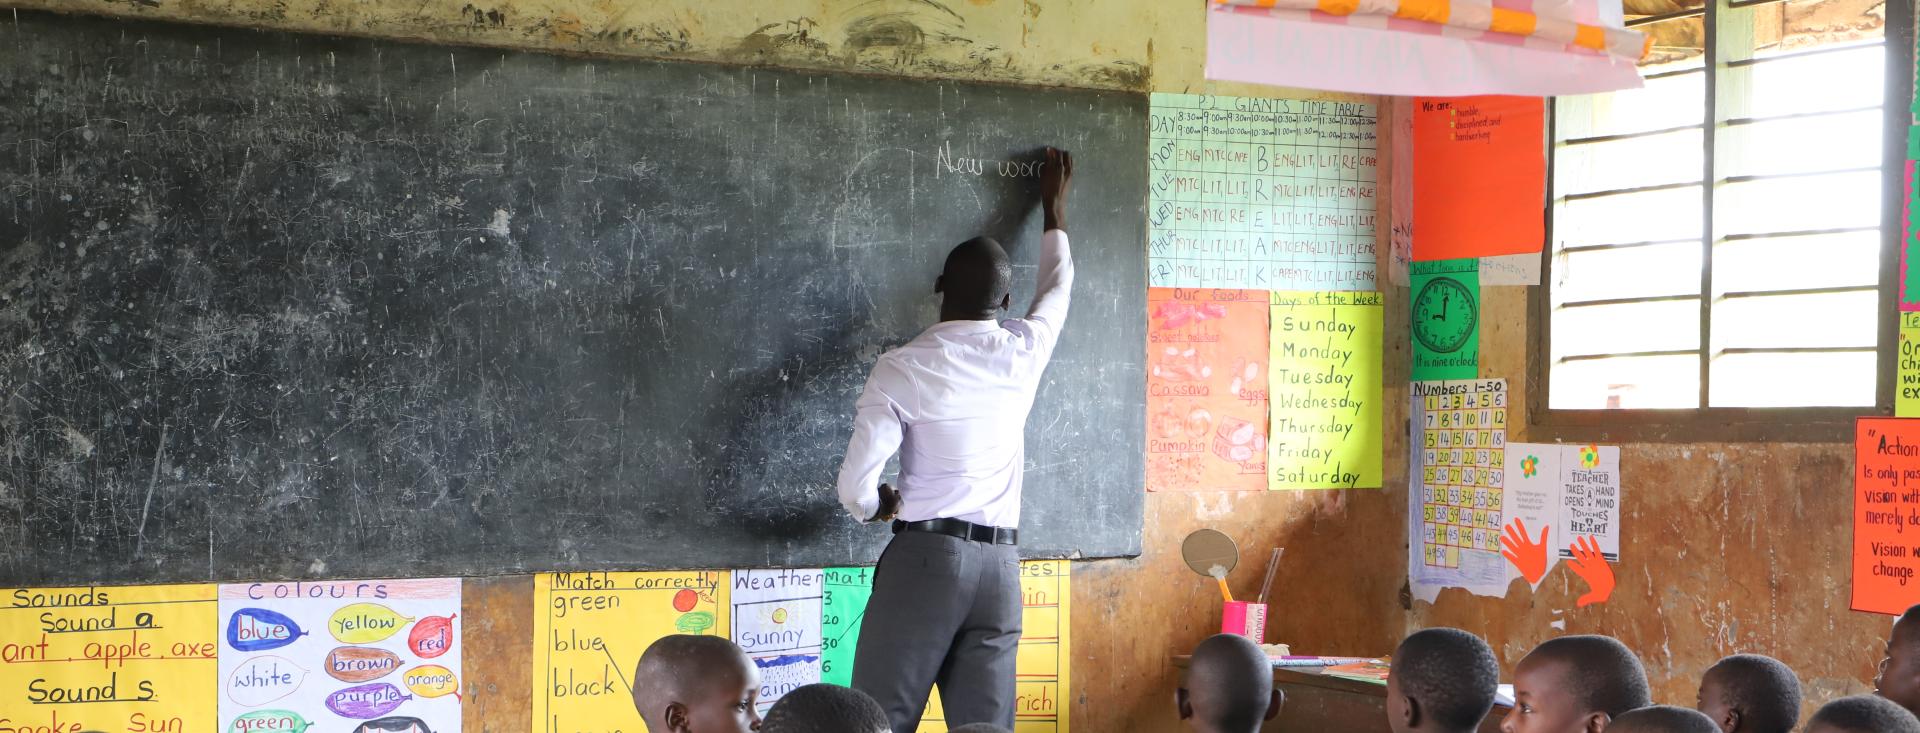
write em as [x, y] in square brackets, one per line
[1246, 619]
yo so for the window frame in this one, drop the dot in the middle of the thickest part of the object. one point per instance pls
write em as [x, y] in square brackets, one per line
[1737, 424]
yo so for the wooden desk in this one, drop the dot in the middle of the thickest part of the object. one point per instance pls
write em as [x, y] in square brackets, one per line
[1319, 703]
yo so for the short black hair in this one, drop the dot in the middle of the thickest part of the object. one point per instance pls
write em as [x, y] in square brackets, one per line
[1233, 678]
[1663, 719]
[1764, 690]
[978, 728]
[1867, 714]
[1602, 673]
[978, 274]
[824, 708]
[1451, 673]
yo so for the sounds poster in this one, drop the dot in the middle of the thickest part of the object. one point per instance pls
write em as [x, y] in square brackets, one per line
[589, 630]
[1206, 389]
[368, 656]
[135, 659]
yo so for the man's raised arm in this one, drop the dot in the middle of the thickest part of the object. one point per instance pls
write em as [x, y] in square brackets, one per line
[1055, 285]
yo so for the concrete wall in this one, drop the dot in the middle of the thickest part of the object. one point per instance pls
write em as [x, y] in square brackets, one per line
[1340, 589]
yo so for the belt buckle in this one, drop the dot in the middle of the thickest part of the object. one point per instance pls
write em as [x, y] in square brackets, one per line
[981, 533]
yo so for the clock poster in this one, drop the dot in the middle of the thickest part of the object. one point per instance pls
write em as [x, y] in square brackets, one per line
[1446, 319]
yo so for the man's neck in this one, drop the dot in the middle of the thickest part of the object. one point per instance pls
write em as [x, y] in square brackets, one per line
[946, 316]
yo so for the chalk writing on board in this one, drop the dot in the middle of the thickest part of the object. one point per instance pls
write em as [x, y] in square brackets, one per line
[111, 659]
[589, 630]
[1325, 393]
[1206, 389]
[1263, 194]
[333, 654]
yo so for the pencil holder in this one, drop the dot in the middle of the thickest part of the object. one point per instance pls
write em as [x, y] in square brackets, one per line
[1246, 619]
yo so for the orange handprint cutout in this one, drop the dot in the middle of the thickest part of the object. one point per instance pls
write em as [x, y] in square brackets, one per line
[1592, 567]
[1527, 556]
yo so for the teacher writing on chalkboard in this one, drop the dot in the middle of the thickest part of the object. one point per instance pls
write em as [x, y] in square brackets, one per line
[954, 403]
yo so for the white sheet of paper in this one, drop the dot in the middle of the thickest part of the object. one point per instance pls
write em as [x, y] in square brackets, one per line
[776, 620]
[1520, 269]
[1590, 498]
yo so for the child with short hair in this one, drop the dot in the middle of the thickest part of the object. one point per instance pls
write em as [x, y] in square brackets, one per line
[696, 684]
[1750, 693]
[1442, 681]
[1576, 684]
[824, 708]
[1229, 687]
[1863, 714]
[1663, 719]
[1899, 678]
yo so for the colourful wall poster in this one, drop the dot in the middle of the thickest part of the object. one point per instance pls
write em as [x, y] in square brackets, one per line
[1590, 499]
[589, 630]
[1325, 392]
[109, 659]
[1043, 670]
[1906, 385]
[1262, 194]
[843, 605]
[776, 620]
[364, 656]
[1909, 238]
[1455, 506]
[1206, 389]
[1446, 320]
[1886, 504]
[1479, 176]
[1556, 497]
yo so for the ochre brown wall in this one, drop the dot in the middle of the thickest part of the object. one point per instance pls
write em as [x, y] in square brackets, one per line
[1340, 587]
[1725, 548]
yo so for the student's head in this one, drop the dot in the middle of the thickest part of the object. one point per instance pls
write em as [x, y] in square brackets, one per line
[824, 708]
[1229, 686]
[979, 728]
[977, 281]
[1750, 693]
[1663, 719]
[1576, 684]
[696, 684]
[1899, 678]
[1863, 714]
[1442, 680]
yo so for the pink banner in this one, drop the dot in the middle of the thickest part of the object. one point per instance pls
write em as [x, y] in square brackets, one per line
[1289, 49]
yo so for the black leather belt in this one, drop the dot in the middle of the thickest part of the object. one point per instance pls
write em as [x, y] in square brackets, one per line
[962, 529]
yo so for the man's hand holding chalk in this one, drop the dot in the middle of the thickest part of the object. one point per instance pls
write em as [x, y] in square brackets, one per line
[889, 504]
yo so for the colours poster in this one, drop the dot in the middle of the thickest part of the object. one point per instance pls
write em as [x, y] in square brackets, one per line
[589, 630]
[110, 659]
[1207, 389]
[1886, 504]
[1325, 390]
[776, 621]
[365, 656]
[1262, 194]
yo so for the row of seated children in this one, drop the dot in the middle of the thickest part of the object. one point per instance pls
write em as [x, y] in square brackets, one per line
[1444, 681]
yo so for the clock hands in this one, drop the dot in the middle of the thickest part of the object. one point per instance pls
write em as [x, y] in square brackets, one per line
[1445, 303]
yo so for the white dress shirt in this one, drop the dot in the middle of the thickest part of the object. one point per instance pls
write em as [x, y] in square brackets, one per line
[954, 403]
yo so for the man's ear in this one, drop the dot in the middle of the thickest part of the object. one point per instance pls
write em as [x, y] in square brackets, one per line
[1731, 722]
[1181, 703]
[677, 718]
[1409, 711]
[1274, 703]
[1006, 301]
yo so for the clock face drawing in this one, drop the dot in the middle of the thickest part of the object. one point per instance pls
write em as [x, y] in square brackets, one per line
[1444, 315]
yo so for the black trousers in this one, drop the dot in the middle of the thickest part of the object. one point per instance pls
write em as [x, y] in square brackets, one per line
[943, 610]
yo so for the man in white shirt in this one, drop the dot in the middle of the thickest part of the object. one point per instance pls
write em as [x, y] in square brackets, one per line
[954, 403]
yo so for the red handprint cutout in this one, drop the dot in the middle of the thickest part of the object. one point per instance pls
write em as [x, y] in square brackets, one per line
[1592, 567]
[1527, 556]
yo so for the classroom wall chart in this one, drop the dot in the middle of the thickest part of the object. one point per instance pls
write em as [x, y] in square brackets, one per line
[1455, 505]
[1325, 390]
[843, 605]
[370, 656]
[1886, 508]
[1479, 176]
[109, 659]
[1906, 385]
[1446, 319]
[1560, 499]
[776, 621]
[1262, 194]
[1207, 389]
[589, 630]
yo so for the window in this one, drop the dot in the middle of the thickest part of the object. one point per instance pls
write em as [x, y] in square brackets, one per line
[1764, 287]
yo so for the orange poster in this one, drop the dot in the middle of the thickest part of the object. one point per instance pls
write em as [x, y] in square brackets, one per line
[1886, 514]
[1206, 389]
[1479, 176]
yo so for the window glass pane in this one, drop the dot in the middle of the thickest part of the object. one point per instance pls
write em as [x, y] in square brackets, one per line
[1675, 101]
[1625, 328]
[1789, 263]
[1675, 157]
[1849, 79]
[1801, 203]
[1652, 382]
[1797, 321]
[1801, 145]
[1650, 216]
[1793, 380]
[1628, 272]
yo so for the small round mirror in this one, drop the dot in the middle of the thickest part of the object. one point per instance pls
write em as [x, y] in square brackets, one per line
[1210, 553]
